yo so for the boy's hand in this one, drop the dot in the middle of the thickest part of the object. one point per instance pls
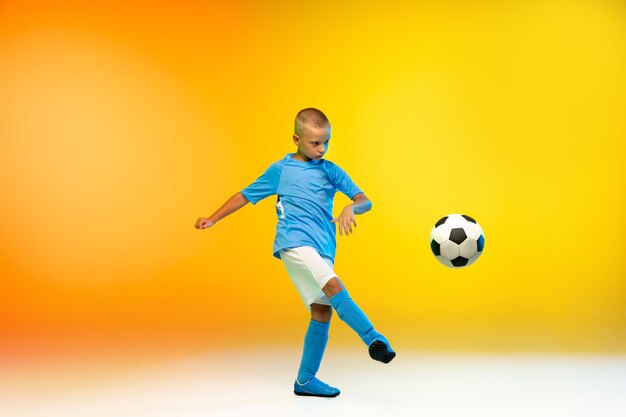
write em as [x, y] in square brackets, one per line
[345, 220]
[204, 223]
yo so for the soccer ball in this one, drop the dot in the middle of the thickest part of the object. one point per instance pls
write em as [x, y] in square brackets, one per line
[457, 240]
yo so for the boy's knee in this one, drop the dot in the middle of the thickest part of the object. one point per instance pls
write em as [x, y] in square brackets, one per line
[333, 287]
[321, 312]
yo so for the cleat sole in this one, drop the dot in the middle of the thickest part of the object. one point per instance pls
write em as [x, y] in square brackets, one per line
[306, 394]
[379, 352]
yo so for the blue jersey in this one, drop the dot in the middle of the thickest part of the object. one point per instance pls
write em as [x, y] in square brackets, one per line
[304, 205]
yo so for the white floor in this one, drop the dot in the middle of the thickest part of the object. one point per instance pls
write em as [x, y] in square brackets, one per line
[259, 383]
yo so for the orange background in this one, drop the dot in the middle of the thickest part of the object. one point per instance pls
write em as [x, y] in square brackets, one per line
[123, 122]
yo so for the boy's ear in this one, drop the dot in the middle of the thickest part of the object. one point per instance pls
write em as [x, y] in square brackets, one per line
[296, 139]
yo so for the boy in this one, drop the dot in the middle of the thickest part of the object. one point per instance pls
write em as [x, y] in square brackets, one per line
[306, 241]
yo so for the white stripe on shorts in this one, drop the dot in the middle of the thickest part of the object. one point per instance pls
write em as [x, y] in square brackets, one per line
[309, 272]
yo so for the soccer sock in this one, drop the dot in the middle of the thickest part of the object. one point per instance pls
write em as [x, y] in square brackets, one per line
[314, 345]
[354, 317]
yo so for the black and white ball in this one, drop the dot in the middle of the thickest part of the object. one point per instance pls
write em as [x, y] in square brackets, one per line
[457, 240]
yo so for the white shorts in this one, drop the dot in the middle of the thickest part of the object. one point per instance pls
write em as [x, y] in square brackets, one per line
[309, 272]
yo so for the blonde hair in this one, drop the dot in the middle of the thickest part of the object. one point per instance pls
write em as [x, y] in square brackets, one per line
[310, 117]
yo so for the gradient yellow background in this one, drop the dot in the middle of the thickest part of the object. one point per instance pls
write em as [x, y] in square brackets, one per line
[123, 122]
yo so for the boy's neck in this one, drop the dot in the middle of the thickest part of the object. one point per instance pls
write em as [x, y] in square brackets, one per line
[301, 157]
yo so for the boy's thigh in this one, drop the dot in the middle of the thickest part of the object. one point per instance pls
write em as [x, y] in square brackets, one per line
[309, 272]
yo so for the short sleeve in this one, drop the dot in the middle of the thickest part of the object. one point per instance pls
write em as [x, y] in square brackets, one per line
[264, 186]
[343, 182]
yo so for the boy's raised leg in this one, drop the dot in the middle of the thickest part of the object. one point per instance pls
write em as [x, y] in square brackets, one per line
[351, 313]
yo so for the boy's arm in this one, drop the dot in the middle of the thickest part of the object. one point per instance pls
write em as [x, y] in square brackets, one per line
[346, 219]
[361, 204]
[230, 206]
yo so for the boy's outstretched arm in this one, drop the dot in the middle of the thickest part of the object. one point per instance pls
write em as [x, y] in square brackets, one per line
[230, 206]
[361, 205]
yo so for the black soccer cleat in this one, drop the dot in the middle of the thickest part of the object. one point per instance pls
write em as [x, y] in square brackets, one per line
[380, 351]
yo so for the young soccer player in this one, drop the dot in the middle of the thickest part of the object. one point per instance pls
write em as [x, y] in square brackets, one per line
[305, 184]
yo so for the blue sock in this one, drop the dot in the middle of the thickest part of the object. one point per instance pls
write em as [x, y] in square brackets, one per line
[314, 345]
[354, 317]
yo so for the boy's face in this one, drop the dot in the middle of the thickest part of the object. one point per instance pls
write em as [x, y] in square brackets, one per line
[313, 142]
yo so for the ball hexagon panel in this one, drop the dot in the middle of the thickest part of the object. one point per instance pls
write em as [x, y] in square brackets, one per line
[473, 231]
[440, 234]
[468, 248]
[474, 258]
[449, 250]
